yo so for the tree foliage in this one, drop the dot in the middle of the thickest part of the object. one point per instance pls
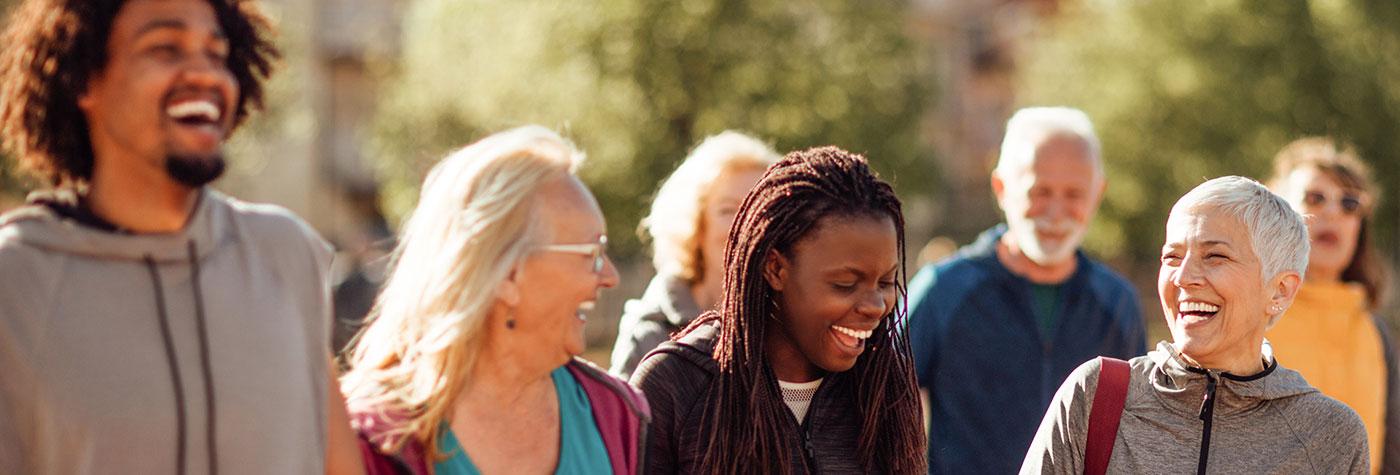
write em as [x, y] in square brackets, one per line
[1181, 95]
[12, 185]
[636, 83]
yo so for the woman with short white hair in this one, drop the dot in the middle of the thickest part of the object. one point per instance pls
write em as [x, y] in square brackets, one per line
[1214, 398]
[689, 226]
[468, 363]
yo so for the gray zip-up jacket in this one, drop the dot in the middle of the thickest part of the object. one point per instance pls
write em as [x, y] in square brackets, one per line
[1271, 422]
[192, 352]
[665, 308]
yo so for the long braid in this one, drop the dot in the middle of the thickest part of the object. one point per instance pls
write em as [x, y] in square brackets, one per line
[745, 414]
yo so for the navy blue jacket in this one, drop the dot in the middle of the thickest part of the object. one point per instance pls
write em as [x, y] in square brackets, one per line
[989, 371]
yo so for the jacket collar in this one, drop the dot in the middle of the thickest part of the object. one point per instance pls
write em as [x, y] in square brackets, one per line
[672, 296]
[1181, 386]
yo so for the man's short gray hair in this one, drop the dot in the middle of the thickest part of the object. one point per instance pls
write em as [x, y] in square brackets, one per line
[1032, 126]
[1277, 232]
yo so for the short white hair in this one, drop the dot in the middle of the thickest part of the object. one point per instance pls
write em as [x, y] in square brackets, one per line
[674, 221]
[1032, 126]
[1277, 232]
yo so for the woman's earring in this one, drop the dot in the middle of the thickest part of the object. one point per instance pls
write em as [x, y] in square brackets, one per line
[510, 324]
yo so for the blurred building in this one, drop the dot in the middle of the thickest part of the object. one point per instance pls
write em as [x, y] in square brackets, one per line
[974, 44]
[307, 151]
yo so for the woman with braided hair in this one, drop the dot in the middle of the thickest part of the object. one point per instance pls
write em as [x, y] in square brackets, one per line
[800, 370]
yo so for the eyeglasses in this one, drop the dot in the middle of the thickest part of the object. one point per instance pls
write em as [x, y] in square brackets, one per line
[596, 250]
[1351, 203]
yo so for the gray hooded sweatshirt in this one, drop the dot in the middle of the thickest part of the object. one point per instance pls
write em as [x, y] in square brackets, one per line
[1272, 422]
[199, 351]
[665, 308]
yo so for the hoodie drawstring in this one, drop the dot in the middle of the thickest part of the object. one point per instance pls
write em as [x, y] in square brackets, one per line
[204, 360]
[174, 367]
[170, 357]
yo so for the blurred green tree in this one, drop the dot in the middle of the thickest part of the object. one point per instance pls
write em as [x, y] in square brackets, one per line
[636, 83]
[1181, 95]
[12, 185]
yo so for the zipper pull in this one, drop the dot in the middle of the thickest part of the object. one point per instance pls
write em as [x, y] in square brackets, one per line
[807, 445]
[1208, 400]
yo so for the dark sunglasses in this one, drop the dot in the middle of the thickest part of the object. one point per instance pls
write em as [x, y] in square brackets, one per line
[1350, 202]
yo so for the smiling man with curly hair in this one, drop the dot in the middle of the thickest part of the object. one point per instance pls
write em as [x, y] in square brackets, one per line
[163, 327]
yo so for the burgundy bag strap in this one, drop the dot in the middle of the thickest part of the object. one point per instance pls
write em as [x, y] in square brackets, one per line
[1103, 418]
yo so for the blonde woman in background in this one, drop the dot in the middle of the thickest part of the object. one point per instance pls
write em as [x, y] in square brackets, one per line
[689, 226]
[1330, 335]
[468, 363]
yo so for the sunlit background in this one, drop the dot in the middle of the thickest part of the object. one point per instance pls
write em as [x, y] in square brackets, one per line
[372, 92]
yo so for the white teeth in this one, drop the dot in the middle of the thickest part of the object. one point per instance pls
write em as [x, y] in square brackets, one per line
[194, 109]
[1198, 307]
[854, 333]
[584, 307]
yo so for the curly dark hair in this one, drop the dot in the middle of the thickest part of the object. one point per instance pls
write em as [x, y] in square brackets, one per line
[784, 208]
[53, 47]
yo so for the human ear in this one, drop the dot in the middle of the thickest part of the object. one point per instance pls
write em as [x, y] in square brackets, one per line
[84, 99]
[775, 270]
[508, 291]
[1283, 288]
[998, 186]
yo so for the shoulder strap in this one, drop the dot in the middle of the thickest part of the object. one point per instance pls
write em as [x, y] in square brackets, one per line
[1103, 418]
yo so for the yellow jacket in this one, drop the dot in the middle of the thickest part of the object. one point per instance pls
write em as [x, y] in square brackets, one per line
[1331, 339]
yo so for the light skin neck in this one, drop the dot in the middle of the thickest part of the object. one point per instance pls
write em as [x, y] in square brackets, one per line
[140, 199]
[506, 372]
[1323, 276]
[1239, 363]
[1009, 253]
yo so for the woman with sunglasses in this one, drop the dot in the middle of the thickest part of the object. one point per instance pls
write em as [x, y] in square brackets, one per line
[1330, 334]
[468, 363]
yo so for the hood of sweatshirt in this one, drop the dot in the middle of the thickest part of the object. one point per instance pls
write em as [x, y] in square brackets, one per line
[40, 226]
[670, 296]
[1181, 385]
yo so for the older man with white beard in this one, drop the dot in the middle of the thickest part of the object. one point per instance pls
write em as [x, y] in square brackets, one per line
[996, 327]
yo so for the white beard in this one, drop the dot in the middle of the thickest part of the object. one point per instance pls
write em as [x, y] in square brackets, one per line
[1043, 252]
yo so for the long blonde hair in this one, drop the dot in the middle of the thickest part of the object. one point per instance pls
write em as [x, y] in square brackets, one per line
[475, 221]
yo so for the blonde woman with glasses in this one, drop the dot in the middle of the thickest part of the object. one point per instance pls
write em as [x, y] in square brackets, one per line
[468, 364]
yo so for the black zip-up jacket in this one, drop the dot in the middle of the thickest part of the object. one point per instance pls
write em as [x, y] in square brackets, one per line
[676, 378]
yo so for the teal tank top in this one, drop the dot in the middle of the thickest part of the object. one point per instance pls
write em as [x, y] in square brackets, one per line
[581, 449]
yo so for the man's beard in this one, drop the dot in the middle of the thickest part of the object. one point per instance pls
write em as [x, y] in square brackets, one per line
[195, 171]
[1047, 253]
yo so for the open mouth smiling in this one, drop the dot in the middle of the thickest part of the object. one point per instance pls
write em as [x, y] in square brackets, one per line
[1194, 311]
[850, 338]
